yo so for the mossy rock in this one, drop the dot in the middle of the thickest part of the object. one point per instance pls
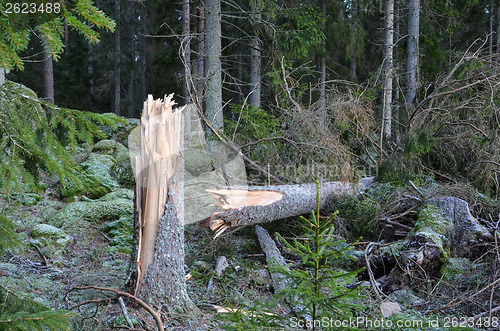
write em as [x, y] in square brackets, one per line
[95, 212]
[121, 233]
[120, 168]
[27, 199]
[51, 239]
[95, 179]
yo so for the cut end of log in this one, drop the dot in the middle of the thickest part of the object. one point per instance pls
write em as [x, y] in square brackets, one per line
[235, 199]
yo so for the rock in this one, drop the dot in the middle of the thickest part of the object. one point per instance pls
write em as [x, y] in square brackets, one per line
[121, 233]
[95, 179]
[221, 265]
[51, 239]
[109, 207]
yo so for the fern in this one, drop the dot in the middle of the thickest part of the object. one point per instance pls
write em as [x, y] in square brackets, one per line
[17, 313]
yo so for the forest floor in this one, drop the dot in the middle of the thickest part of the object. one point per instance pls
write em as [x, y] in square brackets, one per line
[90, 250]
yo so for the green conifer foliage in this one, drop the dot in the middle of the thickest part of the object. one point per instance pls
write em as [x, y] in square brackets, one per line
[15, 26]
[17, 313]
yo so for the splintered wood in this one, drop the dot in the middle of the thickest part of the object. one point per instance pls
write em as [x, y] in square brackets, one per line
[161, 132]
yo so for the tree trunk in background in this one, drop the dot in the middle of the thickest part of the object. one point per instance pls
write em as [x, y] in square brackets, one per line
[2, 76]
[352, 63]
[322, 73]
[186, 50]
[492, 23]
[412, 61]
[48, 75]
[255, 60]
[387, 68]
[200, 71]
[213, 95]
[143, 50]
[498, 27]
[117, 100]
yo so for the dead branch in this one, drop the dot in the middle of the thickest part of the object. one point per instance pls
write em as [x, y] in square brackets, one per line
[144, 305]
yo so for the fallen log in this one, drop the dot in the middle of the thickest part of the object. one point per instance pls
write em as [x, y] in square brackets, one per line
[261, 204]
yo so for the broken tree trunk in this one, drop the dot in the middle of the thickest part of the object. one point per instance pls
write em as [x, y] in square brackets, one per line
[261, 204]
[159, 260]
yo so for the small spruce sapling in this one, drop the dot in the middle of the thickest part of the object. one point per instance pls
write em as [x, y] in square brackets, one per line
[315, 289]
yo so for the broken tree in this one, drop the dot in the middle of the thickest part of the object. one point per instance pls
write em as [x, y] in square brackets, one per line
[260, 204]
[159, 274]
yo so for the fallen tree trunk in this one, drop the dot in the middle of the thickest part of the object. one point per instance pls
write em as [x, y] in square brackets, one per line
[261, 204]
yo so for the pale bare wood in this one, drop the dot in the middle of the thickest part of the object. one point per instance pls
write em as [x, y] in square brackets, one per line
[160, 137]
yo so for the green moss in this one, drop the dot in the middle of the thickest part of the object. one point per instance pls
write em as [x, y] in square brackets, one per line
[95, 179]
[431, 217]
[121, 233]
[454, 269]
[95, 212]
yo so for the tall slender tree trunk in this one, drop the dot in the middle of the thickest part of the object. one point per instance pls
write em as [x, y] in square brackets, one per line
[186, 50]
[200, 70]
[117, 98]
[498, 26]
[143, 49]
[322, 73]
[48, 75]
[352, 63]
[2, 76]
[412, 60]
[213, 34]
[492, 30]
[255, 58]
[387, 68]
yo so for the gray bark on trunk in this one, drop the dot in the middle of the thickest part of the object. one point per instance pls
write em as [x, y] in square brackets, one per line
[2, 76]
[48, 75]
[261, 204]
[412, 61]
[255, 60]
[200, 70]
[322, 74]
[186, 50]
[387, 68]
[213, 95]
[498, 26]
[117, 99]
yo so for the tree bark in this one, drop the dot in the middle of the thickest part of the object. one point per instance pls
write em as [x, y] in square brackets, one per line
[159, 169]
[117, 99]
[387, 68]
[201, 52]
[412, 60]
[186, 50]
[48, 75]
[261, 204]
[213, 96]
[322, 73]
[2, 76]
[498, 26]
[492, 23]
[255, 58]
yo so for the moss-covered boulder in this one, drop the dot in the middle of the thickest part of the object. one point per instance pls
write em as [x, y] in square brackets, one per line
[121, 233]
[51, 239]
[108, 208]
[121, 168]
[94, 181]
